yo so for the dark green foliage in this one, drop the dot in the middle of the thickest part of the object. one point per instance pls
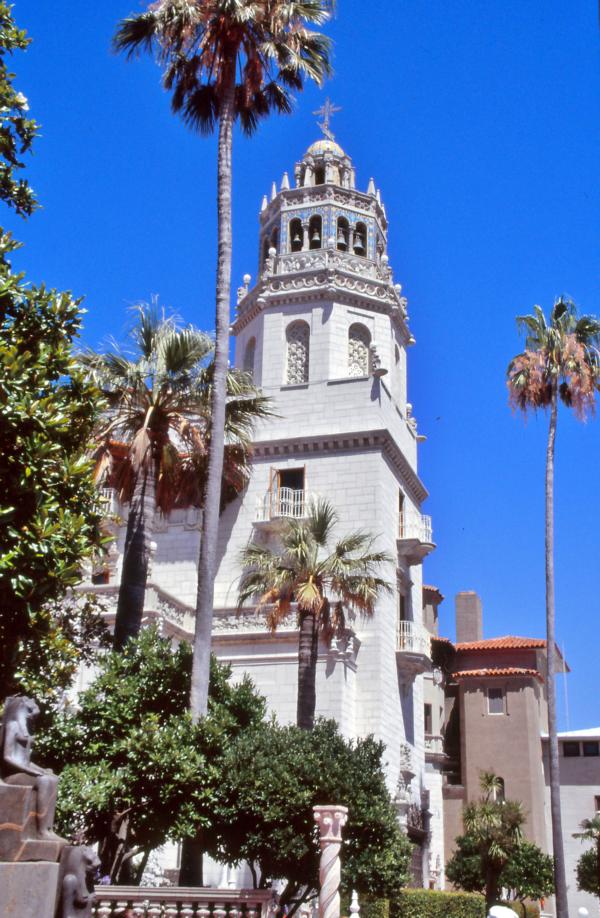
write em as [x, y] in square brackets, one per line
[374, 908]
[135, 770]
[427, 903]
[273, 776]
[588, 872]
[17, 131]
[48, 512]
[528, 873]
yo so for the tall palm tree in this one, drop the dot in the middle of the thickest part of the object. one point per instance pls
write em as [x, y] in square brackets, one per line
[323, 581]
[590, 831]
[153, 444]
[495, 825]
[226, 60]
[560, 363]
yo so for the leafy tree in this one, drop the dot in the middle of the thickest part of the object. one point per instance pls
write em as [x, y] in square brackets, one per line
[494, 826]
[324, 582]
[17, 131]
[464, 869]
[48, 512]
[529, 873]
[159, 415]
[135, 770]
[588, 866]
[48, 518]
[587, 873]
[560, 363]
[226, 60]
[272, 776]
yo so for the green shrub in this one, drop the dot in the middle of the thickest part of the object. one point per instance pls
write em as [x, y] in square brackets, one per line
[427, 903]
[374, 908]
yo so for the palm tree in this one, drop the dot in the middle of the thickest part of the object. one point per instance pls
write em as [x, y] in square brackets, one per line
[226, 60]
[560, 363]
[494, 824]
[153, 444]
[324, 582]
[591, 832]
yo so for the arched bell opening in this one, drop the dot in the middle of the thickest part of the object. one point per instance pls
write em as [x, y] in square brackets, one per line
[360, 239]
[275, 239]
[315, 232]
[343, 234]
[319, 175]
[295, 235]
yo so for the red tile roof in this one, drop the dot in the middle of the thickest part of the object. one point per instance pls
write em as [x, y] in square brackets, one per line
[500, 671]
[508, 642]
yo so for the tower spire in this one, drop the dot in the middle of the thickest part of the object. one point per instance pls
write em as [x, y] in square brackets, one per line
[326, 112]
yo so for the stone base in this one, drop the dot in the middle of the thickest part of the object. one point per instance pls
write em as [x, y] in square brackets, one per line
[18, 828]
[28, 890]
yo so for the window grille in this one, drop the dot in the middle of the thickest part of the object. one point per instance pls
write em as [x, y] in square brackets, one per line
[298, 335]
[359, 340]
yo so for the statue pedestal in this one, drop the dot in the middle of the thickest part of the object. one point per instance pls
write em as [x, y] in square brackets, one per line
[28, 890]
[18, 828]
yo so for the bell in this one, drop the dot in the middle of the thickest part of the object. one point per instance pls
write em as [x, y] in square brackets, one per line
[341, 238]
[316, 237]
[358, 243]
[297, 239]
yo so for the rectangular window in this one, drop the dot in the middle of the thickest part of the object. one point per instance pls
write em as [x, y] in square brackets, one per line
[428, 724]
[591, 747]
[495, 701]
[597, 804]
[571, 750]
[291, 478]
[402, 610]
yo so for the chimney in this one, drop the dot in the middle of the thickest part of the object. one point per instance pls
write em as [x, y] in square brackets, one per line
[469, 617]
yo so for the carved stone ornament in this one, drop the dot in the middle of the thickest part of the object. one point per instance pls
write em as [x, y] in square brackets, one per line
[78, 868]
[330, 820]
[27, 792]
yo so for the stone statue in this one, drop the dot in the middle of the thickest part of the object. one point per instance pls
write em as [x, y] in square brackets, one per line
[78, 867]
[27, 792]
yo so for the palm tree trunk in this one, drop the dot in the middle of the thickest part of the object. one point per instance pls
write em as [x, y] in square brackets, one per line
[136, 556]
[212, 498]
[560, 877]
[308, 651]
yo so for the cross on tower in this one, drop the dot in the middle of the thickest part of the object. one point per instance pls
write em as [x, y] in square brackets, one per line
[327, 110]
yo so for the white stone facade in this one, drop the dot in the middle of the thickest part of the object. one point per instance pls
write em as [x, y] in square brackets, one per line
[324, 332]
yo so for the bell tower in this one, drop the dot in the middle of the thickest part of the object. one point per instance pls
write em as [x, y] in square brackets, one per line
[324, 332]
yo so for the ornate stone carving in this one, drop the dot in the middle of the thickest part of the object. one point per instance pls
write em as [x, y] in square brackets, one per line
[298, 337]
[27, 792]
[78, 867]
[330, 820]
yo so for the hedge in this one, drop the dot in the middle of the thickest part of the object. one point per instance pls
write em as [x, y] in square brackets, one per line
[427, 903]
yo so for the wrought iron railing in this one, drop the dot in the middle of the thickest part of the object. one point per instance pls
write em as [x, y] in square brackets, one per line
[413, 638]
[287, 503]
[415, 526]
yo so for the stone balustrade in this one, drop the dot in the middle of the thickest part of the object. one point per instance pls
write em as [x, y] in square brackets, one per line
[181, 902]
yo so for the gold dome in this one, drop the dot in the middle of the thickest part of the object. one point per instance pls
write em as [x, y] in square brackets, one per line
[325, 146]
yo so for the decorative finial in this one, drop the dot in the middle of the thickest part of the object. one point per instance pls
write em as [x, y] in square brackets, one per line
[327, 110]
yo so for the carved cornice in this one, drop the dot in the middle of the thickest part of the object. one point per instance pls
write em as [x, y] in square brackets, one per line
[366, 440]
[324, 285]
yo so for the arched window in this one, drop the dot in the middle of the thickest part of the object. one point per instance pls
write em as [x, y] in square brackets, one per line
[315, 233]
[320, 175]
[275, 240]
[249, 354]
[298, 344]
[359, 340]
[343, 234]
[295, 235]
[360, 239]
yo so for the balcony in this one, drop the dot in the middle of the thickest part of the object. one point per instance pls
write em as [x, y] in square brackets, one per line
[413, 648]
[415, 537]
[434, 747]
[283, 504]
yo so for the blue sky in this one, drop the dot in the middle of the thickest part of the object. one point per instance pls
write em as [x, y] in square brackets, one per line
[480, 123]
